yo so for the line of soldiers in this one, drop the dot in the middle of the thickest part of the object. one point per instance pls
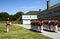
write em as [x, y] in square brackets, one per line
[39, 25]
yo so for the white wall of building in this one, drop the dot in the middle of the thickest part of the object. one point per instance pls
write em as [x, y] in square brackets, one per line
[26, 19]
[29, 16]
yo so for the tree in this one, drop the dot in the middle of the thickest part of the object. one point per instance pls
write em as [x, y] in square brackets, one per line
[18, 14]
[4, 16]
[11, 17]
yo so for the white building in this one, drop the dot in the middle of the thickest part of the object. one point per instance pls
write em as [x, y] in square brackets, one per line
[26, 18]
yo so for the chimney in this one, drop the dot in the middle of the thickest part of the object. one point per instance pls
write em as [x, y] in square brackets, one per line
[48, 4]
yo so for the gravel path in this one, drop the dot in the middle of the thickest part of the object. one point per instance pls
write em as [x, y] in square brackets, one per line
[49, 34]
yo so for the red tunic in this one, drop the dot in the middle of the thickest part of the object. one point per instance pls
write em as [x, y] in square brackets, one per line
[42, 23]
[7, 23]
[55, 23]
[39, 24]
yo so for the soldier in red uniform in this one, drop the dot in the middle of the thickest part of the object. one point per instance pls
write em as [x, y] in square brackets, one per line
[42, 24]
[39, 25]
[56, 25]
[8, 24]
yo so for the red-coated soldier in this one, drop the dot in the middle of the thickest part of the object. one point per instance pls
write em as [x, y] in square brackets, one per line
[56, 25]
[42, 23]
[37, 22]
[8, 24]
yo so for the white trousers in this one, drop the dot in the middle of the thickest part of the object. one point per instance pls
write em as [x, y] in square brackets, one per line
[41, 28]
[56, 28]
[8, 29]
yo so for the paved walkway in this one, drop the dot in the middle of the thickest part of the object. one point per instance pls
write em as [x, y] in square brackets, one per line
[52, 34]
[49, 34]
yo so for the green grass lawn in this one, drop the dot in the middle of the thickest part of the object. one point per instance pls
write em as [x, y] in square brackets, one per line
[17, 32]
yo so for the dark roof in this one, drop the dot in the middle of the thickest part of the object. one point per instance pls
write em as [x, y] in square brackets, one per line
[38, 12]
[32, 13]
[55, 6]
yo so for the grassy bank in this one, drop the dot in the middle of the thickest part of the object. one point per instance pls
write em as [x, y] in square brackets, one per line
[17, 32]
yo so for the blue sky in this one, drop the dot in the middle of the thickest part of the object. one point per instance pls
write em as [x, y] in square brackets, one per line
[13, 6]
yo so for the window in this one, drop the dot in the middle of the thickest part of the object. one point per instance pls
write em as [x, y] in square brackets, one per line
[30, 16]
